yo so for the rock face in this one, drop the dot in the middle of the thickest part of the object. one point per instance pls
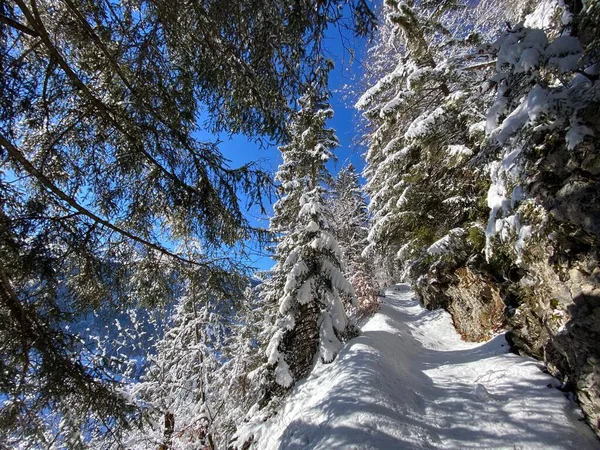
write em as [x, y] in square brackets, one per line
[547, 292]
[477, 306]
[552, 313]
[557, 313]
[558, 321]
[547, 295]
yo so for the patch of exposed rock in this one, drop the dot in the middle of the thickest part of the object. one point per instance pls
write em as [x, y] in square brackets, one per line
[558, 321]
[477, 306]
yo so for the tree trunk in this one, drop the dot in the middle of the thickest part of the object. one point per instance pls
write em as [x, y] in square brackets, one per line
[169, 429]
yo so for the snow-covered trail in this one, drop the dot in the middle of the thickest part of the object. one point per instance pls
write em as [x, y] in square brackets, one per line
[410, 382]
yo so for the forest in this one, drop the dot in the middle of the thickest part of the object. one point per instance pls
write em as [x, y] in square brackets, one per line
[131, 315]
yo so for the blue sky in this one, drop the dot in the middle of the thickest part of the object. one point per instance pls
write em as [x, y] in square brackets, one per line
[240, 150]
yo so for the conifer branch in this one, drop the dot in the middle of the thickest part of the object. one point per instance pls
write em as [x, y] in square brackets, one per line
[19, 157]
[18, 26]
[34, 17]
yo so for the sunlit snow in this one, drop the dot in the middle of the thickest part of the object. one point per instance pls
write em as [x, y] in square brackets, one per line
[410, 382]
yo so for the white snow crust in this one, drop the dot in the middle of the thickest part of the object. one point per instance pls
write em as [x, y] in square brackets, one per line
[447, 243]
[410, 382]
[541, 17]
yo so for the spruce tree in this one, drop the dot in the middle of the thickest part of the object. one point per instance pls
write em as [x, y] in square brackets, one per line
[424, 119]
[351, 226]
[238, 382]
[205, 373]
[308, 277]
[350, 214]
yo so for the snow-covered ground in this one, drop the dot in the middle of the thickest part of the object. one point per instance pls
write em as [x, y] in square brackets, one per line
[410, 382]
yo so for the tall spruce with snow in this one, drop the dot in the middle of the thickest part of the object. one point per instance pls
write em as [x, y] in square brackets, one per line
[350, 221]
[350, 214]
[424, 118]
[308, 278]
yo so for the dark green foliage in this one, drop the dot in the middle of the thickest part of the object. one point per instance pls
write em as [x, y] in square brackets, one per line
[424, 115]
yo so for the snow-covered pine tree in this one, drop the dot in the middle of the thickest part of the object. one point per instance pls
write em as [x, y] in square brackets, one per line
[181, 391]
[308, 277]
[425, 119]
[238, 382]
[350, 214]
[351, 226]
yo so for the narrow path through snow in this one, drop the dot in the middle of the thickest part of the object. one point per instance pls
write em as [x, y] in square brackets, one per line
[410, 382]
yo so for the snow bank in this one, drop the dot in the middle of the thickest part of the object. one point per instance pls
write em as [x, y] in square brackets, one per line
[409, 382]
[541, 17]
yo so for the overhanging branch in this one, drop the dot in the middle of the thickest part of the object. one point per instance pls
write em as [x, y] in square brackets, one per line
[18, 26]
[19, 157]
